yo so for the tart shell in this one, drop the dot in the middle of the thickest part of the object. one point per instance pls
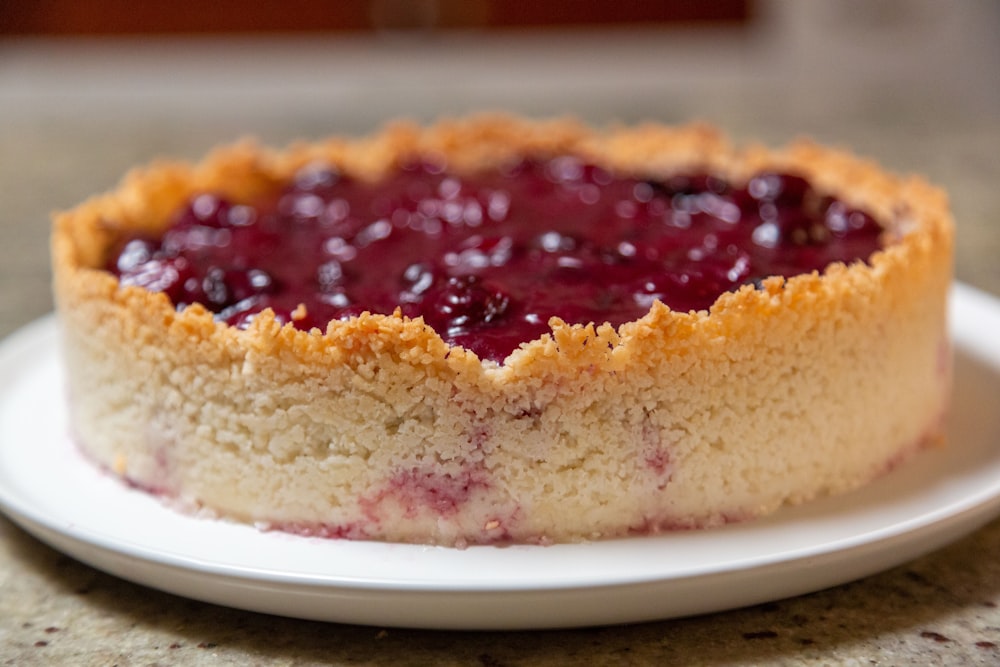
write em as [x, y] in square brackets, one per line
[378, 429]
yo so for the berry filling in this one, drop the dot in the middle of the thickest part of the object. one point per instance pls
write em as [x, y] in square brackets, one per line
[487, 259]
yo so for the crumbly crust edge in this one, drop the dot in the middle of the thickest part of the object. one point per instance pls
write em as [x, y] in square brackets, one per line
[918, 225]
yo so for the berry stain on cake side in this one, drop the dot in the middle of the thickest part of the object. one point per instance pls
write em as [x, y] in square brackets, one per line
[488, 258]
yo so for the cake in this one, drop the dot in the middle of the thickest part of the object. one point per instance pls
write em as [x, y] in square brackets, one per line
[500, 330]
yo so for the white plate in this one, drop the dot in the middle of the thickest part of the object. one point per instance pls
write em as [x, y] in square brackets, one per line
[47, 487]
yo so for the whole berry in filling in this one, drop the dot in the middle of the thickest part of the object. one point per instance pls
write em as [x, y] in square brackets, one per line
[487, 258]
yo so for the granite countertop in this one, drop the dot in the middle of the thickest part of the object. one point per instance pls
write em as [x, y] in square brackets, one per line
[74, 117]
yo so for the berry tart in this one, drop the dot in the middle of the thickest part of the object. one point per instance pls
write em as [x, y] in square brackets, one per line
[496, 330]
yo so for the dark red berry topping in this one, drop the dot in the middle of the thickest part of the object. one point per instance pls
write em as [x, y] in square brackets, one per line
[488, 259]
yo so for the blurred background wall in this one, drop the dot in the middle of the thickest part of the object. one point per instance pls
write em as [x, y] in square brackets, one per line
[89, 88]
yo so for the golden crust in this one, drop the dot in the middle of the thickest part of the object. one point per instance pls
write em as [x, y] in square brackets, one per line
[913, 211]
[854, 314]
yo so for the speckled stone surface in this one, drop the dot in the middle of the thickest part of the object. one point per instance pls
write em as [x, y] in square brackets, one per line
[73, 119]
[941, 609]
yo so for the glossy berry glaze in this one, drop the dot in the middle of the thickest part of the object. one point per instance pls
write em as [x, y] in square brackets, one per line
[487, 259]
